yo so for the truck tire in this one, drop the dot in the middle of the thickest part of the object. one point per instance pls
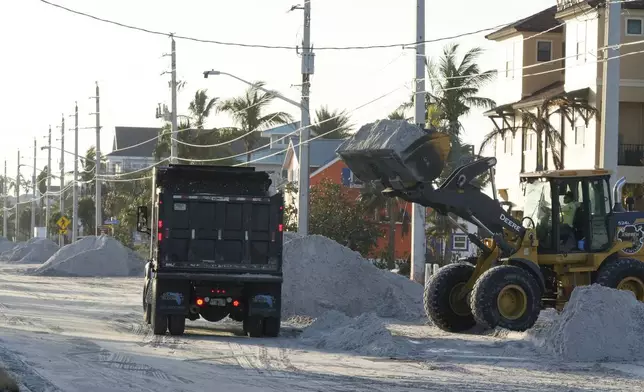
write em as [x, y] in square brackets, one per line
[177, 324]
[272, 327]
[443, 309]
[506, 296]
[254, 326]
[159, 322]
[146, 307]
[623, 274]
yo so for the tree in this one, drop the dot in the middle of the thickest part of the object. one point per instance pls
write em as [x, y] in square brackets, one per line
[331, 124]
[454, 91]
[200, 108]
[247, 112]
[41, 180]
[537, 120]
[336, 215]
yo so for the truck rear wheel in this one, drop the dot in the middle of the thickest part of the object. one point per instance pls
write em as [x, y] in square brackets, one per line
[176, 324]
[272, 327]
[254, 326]
[146, 307]
[159, 322]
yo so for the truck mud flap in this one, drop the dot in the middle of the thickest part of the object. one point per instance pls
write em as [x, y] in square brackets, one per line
[171, 296]
[265, 300]
[263, 305]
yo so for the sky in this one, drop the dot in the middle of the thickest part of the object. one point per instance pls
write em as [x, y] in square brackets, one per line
[53, 58]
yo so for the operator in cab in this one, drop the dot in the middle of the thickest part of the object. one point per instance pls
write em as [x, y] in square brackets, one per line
[567, 216]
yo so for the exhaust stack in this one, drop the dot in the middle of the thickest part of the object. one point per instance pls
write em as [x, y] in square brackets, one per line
[617, 194]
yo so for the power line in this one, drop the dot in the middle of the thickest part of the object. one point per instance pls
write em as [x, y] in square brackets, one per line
[261, 46]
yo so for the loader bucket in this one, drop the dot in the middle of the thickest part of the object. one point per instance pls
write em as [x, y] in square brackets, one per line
[395, 153]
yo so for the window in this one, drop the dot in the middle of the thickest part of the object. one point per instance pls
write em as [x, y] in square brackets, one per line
[507, 143]
[581, 41]
[538, 206]
[599, 208]
[509, 62]
[634, 26]
[275, 140]
[355, 181]
[580, 135]
[459, 242]
[544, 50]
[529, 141]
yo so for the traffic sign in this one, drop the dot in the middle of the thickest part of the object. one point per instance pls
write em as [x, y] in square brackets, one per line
[62, 231]
[63, 222]
[111, 222]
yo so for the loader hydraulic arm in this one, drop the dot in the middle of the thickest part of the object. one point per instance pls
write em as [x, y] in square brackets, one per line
[458, 196]
[406, 159]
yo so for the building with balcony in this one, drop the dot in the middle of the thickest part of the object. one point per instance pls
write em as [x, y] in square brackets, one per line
[552, 67]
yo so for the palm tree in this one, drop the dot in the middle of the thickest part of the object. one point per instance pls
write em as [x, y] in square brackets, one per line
[331, 124]
[537, 120]
[200, 107]
[453, 93]
[454, 87]
[248, 112]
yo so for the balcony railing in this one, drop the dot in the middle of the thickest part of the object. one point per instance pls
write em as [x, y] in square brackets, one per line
[631, 155]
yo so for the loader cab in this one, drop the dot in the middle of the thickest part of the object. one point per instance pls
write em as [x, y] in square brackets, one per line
[569, 208]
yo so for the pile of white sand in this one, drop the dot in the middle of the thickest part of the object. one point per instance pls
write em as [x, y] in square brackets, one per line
[365, 335]
[36, 250]
[597, 324]
[5, 245]
[322, 275]
[93, 257]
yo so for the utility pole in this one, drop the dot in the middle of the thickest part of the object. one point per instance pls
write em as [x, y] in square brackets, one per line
[75, 192]
[33, 193]
[610, 90]
[5, 189]
[418, 244]
[97, 163]
[15, 236]
[61, 237]
[173, 85]
[307, 71]
[49, 173]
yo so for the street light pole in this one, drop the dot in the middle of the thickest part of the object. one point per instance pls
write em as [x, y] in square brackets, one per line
[15, 236]
[48, 196]
[75, 194]
[33, 193]
[418, 240]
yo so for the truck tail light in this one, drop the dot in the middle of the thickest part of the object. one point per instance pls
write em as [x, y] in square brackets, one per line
[160, 236]
[160, 224]
[280, 227]
[199, 301]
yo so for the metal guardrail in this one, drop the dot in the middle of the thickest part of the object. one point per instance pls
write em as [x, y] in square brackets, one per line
[630, 155]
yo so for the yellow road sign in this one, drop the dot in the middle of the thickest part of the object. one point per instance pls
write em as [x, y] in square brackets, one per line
[62, 231]
[63, 222]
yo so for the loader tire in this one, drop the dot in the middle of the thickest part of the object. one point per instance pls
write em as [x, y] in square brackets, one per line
[506, 296]
[623, 274]
[442, 306]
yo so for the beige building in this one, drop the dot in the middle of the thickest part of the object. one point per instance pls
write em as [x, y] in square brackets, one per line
[552, 68]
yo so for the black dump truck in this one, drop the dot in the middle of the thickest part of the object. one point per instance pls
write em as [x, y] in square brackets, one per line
[215, 249]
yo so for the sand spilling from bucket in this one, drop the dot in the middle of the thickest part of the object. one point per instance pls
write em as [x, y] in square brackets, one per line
[36, 250]
[365, 335]
[93, 257]
[322, 275]
[597, 324]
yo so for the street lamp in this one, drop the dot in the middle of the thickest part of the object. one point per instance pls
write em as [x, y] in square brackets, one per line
[303, 183]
